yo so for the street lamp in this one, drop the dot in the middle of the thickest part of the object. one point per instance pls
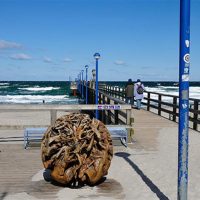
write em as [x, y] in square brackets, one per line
[79, 82]
[82, 84]
[86, 85]
[97, 57]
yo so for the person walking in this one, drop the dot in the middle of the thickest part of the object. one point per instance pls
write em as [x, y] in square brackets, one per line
[129, 92]
[138, 93]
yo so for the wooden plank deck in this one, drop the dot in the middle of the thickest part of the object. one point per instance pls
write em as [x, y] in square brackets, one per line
[146, 129]
[19, 166]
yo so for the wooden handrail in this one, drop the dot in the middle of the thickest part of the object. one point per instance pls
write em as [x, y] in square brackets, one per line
[160, 106]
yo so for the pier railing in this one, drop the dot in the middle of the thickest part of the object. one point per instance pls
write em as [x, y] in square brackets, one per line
[122, 114]
[164, 105]
[109, 116]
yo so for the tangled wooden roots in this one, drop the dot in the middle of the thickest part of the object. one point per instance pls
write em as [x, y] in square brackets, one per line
[77, 149]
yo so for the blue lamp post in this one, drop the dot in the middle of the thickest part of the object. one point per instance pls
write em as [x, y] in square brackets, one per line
[86, 85]
[79, 85]
[97, 57]
[184, 66]
[82, 83]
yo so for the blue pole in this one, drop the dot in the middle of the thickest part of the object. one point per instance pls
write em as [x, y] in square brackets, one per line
[97, 89]
[184, 65]
[96, 56]
[86, 85]
[79, 82]
[82, 85]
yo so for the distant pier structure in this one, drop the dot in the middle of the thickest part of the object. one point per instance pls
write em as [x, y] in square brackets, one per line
[73, 88]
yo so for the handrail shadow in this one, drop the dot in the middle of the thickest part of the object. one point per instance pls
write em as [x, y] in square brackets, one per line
[147, 181]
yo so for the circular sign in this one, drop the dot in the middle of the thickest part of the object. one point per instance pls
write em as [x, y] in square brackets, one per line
[186, 58]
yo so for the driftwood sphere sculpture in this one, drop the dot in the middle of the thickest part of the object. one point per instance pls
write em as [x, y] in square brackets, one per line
[77, 149]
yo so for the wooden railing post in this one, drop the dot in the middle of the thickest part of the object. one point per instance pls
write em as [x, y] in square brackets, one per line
[174, 108]
[53, 116]
[109, 113]
[132, 124]
[130, 121]
[116, 115]
[195, 117]
[148, 100]
[124, 94]
[103, 112]
[159, 104]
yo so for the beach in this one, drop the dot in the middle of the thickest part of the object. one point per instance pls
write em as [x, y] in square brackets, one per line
[147, 169]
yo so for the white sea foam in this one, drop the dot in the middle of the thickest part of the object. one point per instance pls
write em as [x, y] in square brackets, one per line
[194, 92]
[36, 99]
[37, 88]
[4, 84]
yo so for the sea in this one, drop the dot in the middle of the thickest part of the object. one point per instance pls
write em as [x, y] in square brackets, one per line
[58, 92]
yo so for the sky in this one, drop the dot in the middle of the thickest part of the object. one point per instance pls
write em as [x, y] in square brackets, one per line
[53, 40]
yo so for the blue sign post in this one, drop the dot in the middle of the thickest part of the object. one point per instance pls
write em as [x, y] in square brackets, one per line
[82, 84]
[86, 85]
[184, 65]
[97, 57]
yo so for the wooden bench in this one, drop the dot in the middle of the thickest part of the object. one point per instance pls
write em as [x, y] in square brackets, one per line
[34, 135]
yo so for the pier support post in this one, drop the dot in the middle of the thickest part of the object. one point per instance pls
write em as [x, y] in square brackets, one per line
[130, 121]
[53, 116]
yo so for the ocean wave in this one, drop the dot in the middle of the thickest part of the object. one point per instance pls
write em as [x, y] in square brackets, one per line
[37, 88]
[168, 87]
[2, 84]
[194, 92]
[35, 99]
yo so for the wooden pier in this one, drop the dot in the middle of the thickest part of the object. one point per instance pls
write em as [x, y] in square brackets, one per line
[164, 105]
[147, 169]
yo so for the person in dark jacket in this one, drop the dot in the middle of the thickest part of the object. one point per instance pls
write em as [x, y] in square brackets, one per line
[129, 92]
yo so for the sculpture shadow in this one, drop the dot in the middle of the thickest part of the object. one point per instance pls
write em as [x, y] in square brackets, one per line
[72, 184]
[77, 185]
[147, 181]
[3, 195]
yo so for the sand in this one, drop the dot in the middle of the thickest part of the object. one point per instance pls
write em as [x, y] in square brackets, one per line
[146, 170]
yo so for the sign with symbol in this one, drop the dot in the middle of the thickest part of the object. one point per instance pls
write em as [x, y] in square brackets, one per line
[187, 43]
[186, 58]
[184, 106]
[109, 107]
[185, 77]
[186, 70]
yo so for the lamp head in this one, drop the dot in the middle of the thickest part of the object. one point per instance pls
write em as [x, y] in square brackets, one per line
[86, 66]
[96, 56]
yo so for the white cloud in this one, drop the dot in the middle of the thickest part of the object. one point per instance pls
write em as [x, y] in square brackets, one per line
[119, 62]
[9, 45]
[67, 60]
[47, 60]
[20, 56]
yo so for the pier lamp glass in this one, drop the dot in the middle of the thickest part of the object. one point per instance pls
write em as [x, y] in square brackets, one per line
[86, 66]
[97, 56]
